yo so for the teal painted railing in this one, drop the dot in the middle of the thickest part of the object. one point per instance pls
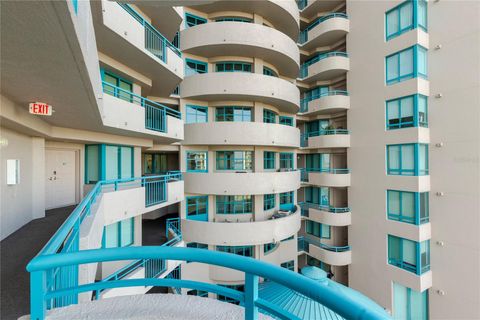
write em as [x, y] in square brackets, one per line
[66, 239]
[303, 243]
[155, 42]
[328, 208]
[304, 102]
[304, 136]
[155, 113]
[318, 57]
[304, 34]
[335, 300]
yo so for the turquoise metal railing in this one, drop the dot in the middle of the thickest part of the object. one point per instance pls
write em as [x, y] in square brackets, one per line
[66, 239]
[155, 42]
[304, 33]
[304, 136]
[318, 57]
[328, 170]
[303, 243]
[328, 208]
[303, 175]
[304, 102]
[155, 113]
[338, 301]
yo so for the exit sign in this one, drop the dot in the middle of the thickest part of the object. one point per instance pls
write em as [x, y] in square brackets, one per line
[40, 108]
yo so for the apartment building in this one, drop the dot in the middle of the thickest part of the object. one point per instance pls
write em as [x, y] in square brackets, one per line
[297, 133]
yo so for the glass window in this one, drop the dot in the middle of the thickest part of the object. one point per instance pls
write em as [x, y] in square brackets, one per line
[317, 195]
[404, 17]
[117, 86]
[318, 230]
[269, 72]
[92, 164]
[287, 201]
[234, 160]
[406, 64]
[410, 111]
[409, 207]
[290, 265]
[409, 304]
[409, 255]
[111, 162]
[286, 161]
[268, 247]
[316, 93]
[287, 121]
[233, 114]
[407, 159]
[246, 251]
[126, 161]
[197, 161]
[231, 66]
[268, 201]
[193, 20]
[195, 66]
[119, 234]
[196, 114]
[154, 163]
[268, 160]
[269, 116]
[233, 19]
[234, 204]
[197, 208]
[106, 162]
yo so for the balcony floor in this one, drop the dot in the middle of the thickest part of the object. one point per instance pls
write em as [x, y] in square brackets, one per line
[16, 251]
[153, 306]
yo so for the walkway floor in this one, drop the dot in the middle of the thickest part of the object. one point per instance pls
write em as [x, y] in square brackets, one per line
[16, 251]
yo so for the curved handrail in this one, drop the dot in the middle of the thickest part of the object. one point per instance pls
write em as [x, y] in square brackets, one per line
[322, 207]
[253, 269]
[323, 245]
[317, 58]
[304, 33]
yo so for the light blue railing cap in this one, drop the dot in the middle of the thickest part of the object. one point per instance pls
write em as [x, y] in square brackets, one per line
[314, 273]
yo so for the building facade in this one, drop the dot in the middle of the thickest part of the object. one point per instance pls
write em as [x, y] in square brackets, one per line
[316, 133]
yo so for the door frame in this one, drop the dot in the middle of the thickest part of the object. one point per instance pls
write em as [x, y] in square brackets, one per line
[77, 152]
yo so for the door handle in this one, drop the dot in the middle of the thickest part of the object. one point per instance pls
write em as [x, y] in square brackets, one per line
[50, 179]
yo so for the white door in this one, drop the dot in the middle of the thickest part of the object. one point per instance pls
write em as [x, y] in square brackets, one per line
[60, 174]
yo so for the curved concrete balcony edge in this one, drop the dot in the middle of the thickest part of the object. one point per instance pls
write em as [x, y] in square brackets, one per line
[329, 179]
[241, 133]
[338, 219]
[329, 141]
[327, 104]
[330, 257]
[327, 32]
[248, 183]
[328, 68]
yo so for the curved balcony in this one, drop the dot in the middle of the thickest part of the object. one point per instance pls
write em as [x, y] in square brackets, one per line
[124, 35]
[336, 138]
[241, 133]
[332, 255]
[218, 86]
[243, 39]
[310, 8]
[330, 102]
[283, 15]
[325, 66]
[333, 216]
[241, 233]
[237, 183]
[328, 177]
[324, 31]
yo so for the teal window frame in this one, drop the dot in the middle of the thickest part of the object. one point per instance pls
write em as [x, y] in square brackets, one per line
[188, 160]
[198, 293]
[269, 116]
[196, 208]
[234, 19]
[318, 162]
[409, 304]
[233, 66]
[197, 245]
[234, 204]
[420, 166]
[289, 265]
[268, 201]
[286, 121]
[288, 239]
[408, 207]
[269, 72]
[233, 114]
[417, 104]
[287, 160]
[119, 82]
[196, 114]
[120, 241]
[102, 162]
[197, 65]
[287, 201]
[408, 15]
[319, 230]
[246, 251]
[415, 260]
[158, 163]
[313, 128]
[269, 160]
[419, 64]
[268, 247]
[234, 160]
[192, 20]
[317, 195]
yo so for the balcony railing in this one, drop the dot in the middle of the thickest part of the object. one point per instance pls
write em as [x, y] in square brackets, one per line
[302, 4]
[155, 42]
[304, 102]
[303, 243]
[317, 58]
[155, 113]
[327, 208]
[304, 136]
[304, 34]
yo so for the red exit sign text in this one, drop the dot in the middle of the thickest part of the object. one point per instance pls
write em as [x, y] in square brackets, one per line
[40, 108]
